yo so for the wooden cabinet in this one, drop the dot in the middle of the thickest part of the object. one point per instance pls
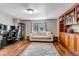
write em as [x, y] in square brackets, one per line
[62, 37]
[71, 42]
[66, 39]
[67, 36]
[77, 42]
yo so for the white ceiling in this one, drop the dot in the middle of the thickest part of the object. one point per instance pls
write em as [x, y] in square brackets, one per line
[43, 10]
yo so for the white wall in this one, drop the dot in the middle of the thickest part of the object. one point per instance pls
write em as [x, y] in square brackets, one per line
[51, 25]
[15, 22]
[58, 27]
[5, 20]
[8, 20]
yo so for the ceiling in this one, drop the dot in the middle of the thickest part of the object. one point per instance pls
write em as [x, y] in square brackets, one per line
[43, 10]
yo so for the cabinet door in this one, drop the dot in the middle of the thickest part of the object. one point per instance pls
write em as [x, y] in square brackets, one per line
[66, 39]
[77, 38]
[71, 42]
[62, 38]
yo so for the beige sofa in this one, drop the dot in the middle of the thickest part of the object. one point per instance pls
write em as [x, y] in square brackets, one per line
[41, 36]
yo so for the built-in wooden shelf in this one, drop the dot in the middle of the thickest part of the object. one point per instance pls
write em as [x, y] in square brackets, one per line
[66, 20]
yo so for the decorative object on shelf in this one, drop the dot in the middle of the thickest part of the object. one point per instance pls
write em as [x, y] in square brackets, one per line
[78, 10]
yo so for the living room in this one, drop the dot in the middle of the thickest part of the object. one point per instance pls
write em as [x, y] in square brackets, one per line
[25, 27]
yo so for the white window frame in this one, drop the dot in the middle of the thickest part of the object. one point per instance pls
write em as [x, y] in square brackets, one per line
[43, 24]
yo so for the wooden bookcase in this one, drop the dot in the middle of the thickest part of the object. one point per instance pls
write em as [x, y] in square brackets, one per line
[66, 20]
[69, 18]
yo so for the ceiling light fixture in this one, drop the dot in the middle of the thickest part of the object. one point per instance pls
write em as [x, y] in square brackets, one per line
[30, 11]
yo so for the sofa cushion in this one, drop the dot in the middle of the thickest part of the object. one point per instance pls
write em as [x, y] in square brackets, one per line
[41, 37]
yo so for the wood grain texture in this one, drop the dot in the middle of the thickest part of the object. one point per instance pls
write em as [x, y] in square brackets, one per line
[77, 49]
[17, 48]
[14, 49]
[72, 42]
[63, 50]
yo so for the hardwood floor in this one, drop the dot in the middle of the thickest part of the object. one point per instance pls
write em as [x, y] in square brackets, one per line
[14, 49]
[63, 51]
[18, 48]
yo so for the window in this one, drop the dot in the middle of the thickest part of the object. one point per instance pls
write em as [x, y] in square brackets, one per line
[38, 27]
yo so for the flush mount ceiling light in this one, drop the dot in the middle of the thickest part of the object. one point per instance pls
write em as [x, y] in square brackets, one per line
[30, 11]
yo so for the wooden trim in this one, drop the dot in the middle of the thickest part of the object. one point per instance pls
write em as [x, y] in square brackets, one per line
[70, 9]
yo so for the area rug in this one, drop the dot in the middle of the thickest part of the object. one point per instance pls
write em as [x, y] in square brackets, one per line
[40, 49]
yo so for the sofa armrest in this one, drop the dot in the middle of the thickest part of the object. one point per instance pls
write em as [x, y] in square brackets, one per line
[52, 36]
[30, 34]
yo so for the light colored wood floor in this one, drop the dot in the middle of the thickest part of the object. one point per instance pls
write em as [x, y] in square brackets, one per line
[18, 47]
[63, 51]
[14, 49]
